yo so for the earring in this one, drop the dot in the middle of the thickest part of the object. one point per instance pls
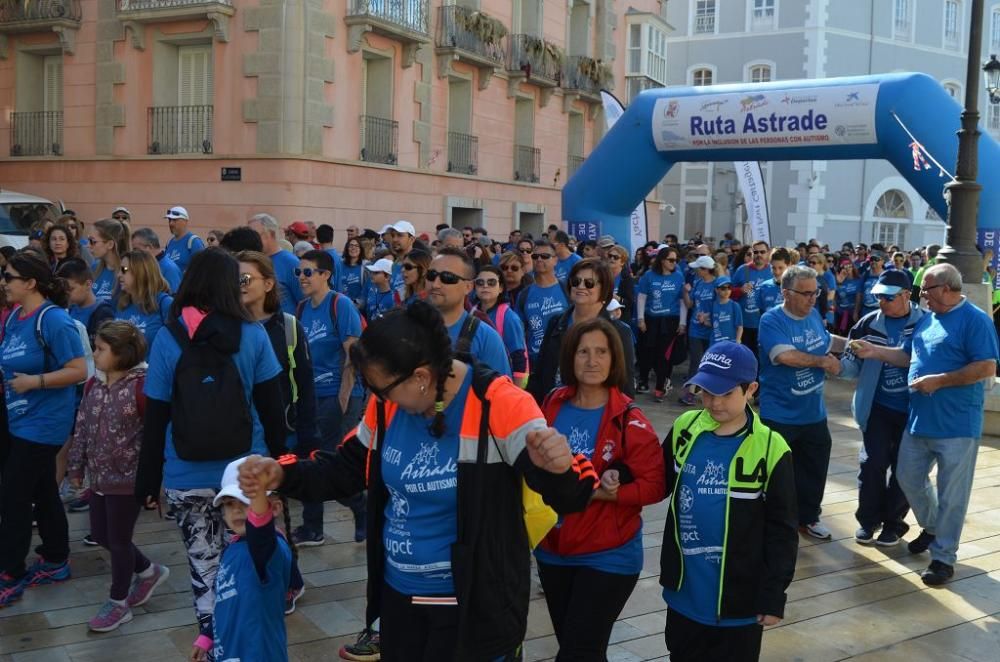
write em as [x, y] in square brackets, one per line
[423, 388]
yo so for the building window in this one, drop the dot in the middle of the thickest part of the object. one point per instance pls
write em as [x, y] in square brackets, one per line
[993, 117]
[952, 38]
[995, 31]
[954, 90]
[647, 52]
[704, 16]
[636, 84]
[892, 204]
[762, 14]
[701, 77]
[888, 234]
[932, 215]
[902, 20]
[760, 73]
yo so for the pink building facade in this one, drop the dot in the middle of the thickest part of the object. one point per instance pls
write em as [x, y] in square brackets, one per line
[334, 111]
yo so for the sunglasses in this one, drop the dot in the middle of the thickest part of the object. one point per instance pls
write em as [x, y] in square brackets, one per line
[447, 277]
[587, 283]
[541, 256]
[246, 279]
[308, 272]
[885, 297]
[525, 251]
[383, 393]
[487, 282]
[510, 267]
[124, 269]
[670, 259]
[409, 267]
[7, 277]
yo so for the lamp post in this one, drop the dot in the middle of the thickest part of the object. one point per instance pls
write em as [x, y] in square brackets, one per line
[960, 243]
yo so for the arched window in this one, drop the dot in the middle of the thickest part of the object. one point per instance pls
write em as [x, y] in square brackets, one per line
[701, 77]
[760, 73]
[892, 204]
[955, 90]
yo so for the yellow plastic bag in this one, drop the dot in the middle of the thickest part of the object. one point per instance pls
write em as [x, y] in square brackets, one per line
[538, 517]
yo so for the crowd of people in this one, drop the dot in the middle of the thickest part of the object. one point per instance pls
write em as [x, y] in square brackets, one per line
[474, 403]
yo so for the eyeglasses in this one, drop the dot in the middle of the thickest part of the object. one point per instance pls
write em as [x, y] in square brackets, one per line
[670, 259]
[510, 267]
[812, 294]
[447, 277]
[541, 256]
[886, 297]
[487, 282]
[587, 283]
[308, 272]
[759, 252]
[7, 277]
[925, 290]
[525, 251]
[409, 267]
[124, 268]
[383, 393]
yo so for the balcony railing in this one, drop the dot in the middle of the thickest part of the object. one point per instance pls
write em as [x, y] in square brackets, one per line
[704, 24]
[409, 15]
[36, 134]
[585, 74]
[146, 5]
[536, 58]
[180, 129]
[38, 13]
[471, 31]
[379, 140]
[573, 164]
[463, 153]
[527, 163]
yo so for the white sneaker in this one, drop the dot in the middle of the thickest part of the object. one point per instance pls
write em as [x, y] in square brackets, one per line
[817, 530]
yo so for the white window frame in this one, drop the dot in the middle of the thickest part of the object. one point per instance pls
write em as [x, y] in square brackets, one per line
[951, 84]
[994, 27]
[992, 117]
[694, 18]
[761, 25]
[699, 67]
[750, 66]
[889, 232]
[652, 64]
[956, 43]
[907, 33]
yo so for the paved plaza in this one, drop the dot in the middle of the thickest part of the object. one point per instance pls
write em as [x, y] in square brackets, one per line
[847, 601]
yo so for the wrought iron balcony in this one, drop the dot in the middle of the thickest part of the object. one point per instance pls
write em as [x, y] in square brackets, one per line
[463, 153]
[527, 163]
[180, 129]
[472, 36]
[406, 21]
[36, 134]
[539, 62]
[379, 140]
[586, 76]
[155, 11]
[19, 16]
[573, 164]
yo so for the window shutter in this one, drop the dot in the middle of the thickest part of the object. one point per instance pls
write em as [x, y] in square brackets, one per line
[53, 73]
[194, 76]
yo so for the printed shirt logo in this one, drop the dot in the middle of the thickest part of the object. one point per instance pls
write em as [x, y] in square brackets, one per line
[720, 361]
[425, 465]
[15, 347]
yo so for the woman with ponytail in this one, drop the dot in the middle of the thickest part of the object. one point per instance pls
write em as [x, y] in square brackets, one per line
[108, 243]
[41, 357]
[442, 449]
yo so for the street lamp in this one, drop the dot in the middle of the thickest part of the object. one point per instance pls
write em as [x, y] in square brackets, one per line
[991, 74]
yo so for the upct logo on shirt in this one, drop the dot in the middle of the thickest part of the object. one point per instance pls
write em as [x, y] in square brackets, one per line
[15, 347]
[806, 381]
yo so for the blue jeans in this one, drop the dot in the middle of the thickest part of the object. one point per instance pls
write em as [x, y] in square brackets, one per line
[940, 510]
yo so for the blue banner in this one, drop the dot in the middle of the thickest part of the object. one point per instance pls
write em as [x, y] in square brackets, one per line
[585, 230]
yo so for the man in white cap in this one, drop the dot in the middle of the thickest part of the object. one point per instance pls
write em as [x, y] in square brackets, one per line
[380, 298]
[183, 244]
[401, 236]
[121, 214]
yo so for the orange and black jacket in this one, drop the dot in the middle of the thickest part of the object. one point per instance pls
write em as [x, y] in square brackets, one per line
[491, 557]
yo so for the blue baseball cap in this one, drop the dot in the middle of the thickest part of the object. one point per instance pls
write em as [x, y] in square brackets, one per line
[723, 280]
[724, 366]
[891, 282]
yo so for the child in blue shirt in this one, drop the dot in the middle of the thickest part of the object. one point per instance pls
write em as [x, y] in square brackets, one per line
[252, 577]
[727, 317]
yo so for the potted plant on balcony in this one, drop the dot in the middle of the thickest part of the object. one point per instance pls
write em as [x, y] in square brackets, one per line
[555, 55]
[488, 29]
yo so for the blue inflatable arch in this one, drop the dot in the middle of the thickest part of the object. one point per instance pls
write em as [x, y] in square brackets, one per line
[865, 117]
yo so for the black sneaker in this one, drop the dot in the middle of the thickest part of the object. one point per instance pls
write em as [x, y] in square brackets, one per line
[888, 538]
[643, 387]
[303, 537]
[937, 574]
[365, 649]
[89, 541]
[865, 535]
[920, 544]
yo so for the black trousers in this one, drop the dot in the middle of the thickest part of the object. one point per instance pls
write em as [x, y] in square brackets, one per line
[690, 641]
[583, 604]
[749, 339]
[881, 501]
[660, 332]
[29, 477]
[810, 446]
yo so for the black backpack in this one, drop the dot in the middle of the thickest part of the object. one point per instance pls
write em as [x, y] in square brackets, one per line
[208, 409]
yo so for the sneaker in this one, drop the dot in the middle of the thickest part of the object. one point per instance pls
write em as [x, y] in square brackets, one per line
[80, 504]
[817, 530]
[303, 537]
[110, 617]
[937, 573]
[888, 538]
[360, 511]
[865, 535]
[365, 649]
[143, 587]
[11, 589]
[89, 541]
[658, 395]
[920, 544]
[687, 400]
[42, 572]
[291, 597]
[642, 387]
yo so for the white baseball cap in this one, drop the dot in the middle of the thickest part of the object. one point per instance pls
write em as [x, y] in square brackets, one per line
[176, 212]
[614, 305]
[381, 266]
[704, 262]
[231, 484]
[118, 209]
[404, 227]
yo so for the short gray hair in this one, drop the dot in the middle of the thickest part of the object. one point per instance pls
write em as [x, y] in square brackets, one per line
[794, 274]
[451, 233]
[147, 235]
[268, 222]
[947, 275]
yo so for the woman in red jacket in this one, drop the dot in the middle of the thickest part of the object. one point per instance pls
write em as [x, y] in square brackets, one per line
[590, 562]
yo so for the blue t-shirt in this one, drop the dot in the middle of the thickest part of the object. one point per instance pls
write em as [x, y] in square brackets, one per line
[178, 251]
[486, 347]
[725, 318]
[748, 304]
[170, 271]
[539, 305]
[702, 296]
[791, 395]
[351, 282]
[421, 518]
[512, 333]
[868, 300]
[255, 362]
[378, 303]
[105, 285]
[768, 295]
[847, 293]
[249, 621]
[663, 293]
[703, 491]
[397, 283]
[326, 344]
[149, 323]
[563, 266]
[82, 314]
[43, 416]
[945, 343]
[830, 280]
[893, 390]
[335, 276]
[285, 265]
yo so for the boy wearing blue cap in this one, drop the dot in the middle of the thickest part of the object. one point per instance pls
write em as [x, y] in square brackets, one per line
[727, 316]
[730, 538]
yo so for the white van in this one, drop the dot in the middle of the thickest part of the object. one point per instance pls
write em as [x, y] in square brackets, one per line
[18, 212]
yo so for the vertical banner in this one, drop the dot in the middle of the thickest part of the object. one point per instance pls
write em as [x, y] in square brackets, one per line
[752, 187]
[584, 230]
[638, 224]
[989, 239]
